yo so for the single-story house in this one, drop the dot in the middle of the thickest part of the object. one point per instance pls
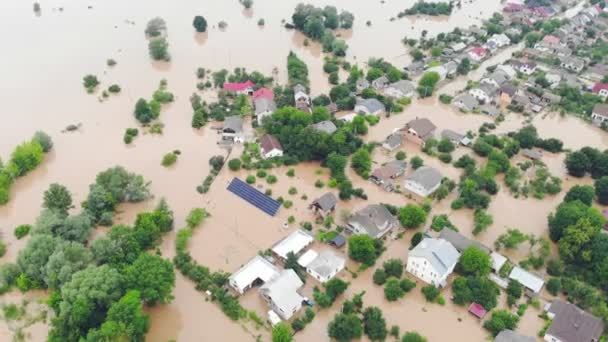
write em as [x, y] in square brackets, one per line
[466, 102]
[526, 68]
[477, 310]
[490, 110]
[373, 220]
[600, 113]
[324, 205]
[323, 266]
[500, 40]
[392, 142]
[400, 89]
[369, 106]
[453, 136]
[245, 88]
[264, 107]
[550, 98]
[293, 243]
[512, 336]
[419, 130]
[484, 92]
[496, 79]
[601, 89]
[477, 54]
[325, 126]
[384, 175]
[432, 261]
[362, 84]
[507, 70]
[572, 324]
[270, 146]
[380, 83]
[423, 181]
[457, 47]
[282, 295]
[256, 272]
[534, 154]
[572, 63]
[263, 93]
[232, 129]
[461, 242]
[531, 282]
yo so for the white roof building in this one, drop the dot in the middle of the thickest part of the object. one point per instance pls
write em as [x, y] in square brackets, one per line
[294, 243]
[527, 279]
[432, 261]
[282, 295]
[257, 269]
[324, 266]
[498, 260]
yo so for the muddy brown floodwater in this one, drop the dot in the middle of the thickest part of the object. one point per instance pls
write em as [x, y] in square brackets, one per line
[43, 63]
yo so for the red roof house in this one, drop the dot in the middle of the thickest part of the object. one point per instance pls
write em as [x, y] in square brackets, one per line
[477, 53]
[477, 310]
[263, 93]
[598, 87]
[238, 87]
[549, 39]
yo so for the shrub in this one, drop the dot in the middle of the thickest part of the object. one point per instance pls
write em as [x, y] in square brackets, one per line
[319, 183]
[250, 179]
[393, 268]
[261, 174]
[90, 82]
[199, 23]
[271, 179]
[234, 164]
[407, 285]
[430, 292]
[416, 162]
[22, 230]
[445, 157]
[287, 204]
[292, 191]
[400, 155]
[44, 140]
[554, 285]
[169, 159]
[291, 173]
[379, 276]
[114, 88]
[392, 290]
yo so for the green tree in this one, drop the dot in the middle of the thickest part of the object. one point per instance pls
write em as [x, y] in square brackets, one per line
[57, 197]
[568, 213]
[34, 256]
[576, 240]
[412, 216]
[527, 136]
[362, 162]
[393, 268]
[125, 321]
[501, 320]
[514, 291]
[393, 290]
[412, 336]
[345, 327]
[583, 193]
[379, 276]
[416, 162]
[44, 140]
[427, 83]
[474, 262]
[464, 66]
[361, 248]
[578, 164]
[25, 158]
[374, 324]
[601, 190]
[430, 292]
[199, 23]
[445, 145]
[159, 49]
[282, 333]
[67, 259]
[153, 277]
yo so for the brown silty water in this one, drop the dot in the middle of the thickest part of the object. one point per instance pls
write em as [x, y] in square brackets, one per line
[42, 72]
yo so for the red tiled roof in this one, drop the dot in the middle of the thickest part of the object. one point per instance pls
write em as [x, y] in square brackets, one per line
[479, 51]
[238, 86]
[269, 143]
[477, 310]
[600, 86]
[551, 39]
[263, 93]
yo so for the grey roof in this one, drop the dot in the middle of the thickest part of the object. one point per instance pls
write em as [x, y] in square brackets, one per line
[362, 83]
[423, 127]
[372, 104]
[380, 81]
[461, 242]
[551, 98]
[468, 101]
[326, 202]
[404, 86]
[509, 89]
[325, 126]
[439, 252]
[299, 88]
[263, 105]
[234, 123]
[390, 170]
[489, 89]
[575, 61]
[394, 140]
[451, 67]
[374, 218]
[451, 135]
[512, 336]
[499, 77]
[532, 153]
[282, 290]
[490, 110]
[572, 324]
[601, 109]
[426, 176]
[326, 263]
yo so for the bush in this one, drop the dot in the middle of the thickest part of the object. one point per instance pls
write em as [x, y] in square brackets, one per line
[199, 23]
[392, 290]
[430, 292]
[90, 82]
[393, 268]
[445, 157]
[250, 179]
[271, 179]
[400, 155]
[445, 99]
[169, 159]
[554, 285]
[379, 277]
[291, 173]
[407, 285]
[319, 183]
[114, 88]
[44, 140]
[261, 174]
[22, 230]
[159, 49]
[234, 164]
[416, 162]
[292, 191]
[501, 320]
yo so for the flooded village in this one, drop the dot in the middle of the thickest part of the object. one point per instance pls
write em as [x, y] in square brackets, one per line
[323, 170]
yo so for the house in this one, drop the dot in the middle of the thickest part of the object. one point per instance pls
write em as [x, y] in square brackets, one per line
[440, 70]
[400, 89]
[263, 93]
[458, 47]
[256, 272]
[369, 106]
[241, 88]
[477, 54]
[322, 266]
[496, 79]
[264, 107]
[384, 175]
[373, 220]
[347, 117]
[477, 310]
[324, 205]
[526, 68]
[498, 261]
[466, 102]
[507, 91]
[507, 70]
[292, 243]
[362, 84]
[325, 126]
[500, 40]
[419, 130]
[461, 242]
[282, 295]
[392, 142]
[484, 92]
[423, 181]
[490, 110]
[432, 261]
[300, 95]
[550, 98]
[270, 146]
[534, 154]
[532, 284]
[572, 324]
[451, 68]
[601, 89]
[600, 113]
[232, 129]
[415, 67]
[453, 136]
[512, 336]
[380, 83]
[571, 63]
[598, 72]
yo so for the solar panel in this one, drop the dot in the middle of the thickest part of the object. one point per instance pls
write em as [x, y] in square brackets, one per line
[254, 196]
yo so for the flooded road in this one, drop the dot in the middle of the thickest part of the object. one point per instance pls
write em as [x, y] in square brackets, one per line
[42, 70]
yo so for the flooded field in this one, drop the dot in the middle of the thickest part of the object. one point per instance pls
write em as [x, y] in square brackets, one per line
[42, 72]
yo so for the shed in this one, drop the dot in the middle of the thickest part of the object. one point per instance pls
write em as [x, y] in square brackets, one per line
[477, 310]
[527, 279]
[294, 243]
[339, 241]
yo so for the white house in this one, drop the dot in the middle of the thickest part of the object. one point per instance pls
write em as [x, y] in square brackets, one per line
[484, 92]
[374, 220]
[369, 106]
[270, 147]
[282, 295]
[293, 243]
[423, 181]
[400, 89]
[322, 266]
[257, 270]
[432, 261]
[500, 40]
[600, 113]
[531, 283]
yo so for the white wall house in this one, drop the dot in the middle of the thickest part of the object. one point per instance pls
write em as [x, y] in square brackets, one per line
[432, 261]
[322, 266]
[423, 181]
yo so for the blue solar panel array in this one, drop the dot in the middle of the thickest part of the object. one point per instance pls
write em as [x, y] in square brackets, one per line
[254, 196]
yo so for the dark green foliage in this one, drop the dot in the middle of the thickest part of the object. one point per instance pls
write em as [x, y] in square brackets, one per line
[514, 292]
[429, 8]
[153, 277]
[393, 290]
[345, 327]
[583, 193]
[554, 285]
[22, 230]
[379, 276]
[374, 324]
[416, 238]
[479, 290]
[199, 23]
[393, 268]
[474, 262]
[501, 320]
[601, 190]
[430, 292]
[412, 216]
[159, 49]
[57, 198]
[361, 248]
[297, 71]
